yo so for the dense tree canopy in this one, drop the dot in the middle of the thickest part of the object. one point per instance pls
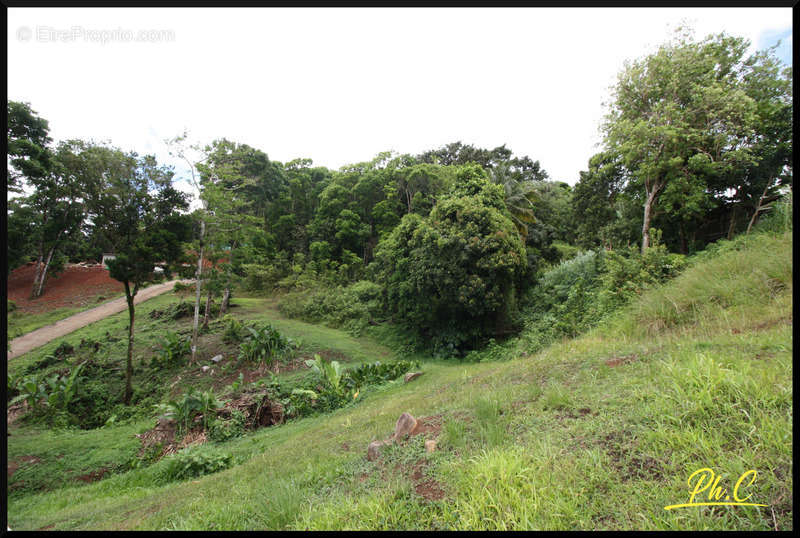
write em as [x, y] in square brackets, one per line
[697, 145]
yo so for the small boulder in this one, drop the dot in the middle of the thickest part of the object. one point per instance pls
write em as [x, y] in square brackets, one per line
[411, 375]
[405, 425]
[206, 368]
[430, 445]
[374, 450]
[217, 358]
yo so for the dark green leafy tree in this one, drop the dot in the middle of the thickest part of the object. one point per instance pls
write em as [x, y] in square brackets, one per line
[454, 275]
[28, 139]
[138, 209]
[680, 117]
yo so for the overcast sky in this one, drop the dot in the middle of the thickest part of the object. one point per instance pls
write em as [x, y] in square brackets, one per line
[341, 85]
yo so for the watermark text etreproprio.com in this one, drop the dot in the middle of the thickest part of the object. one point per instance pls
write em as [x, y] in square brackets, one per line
[80, 34]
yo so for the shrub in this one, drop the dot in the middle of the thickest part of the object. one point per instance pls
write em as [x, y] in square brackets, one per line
[190, 463]
[180, 287]
[377, 372]
[11, 306]
[352, 307]
[190, 405]
[263, 344]
[224, 430]
[453, 277]
[329, 372]
[173, 349]
[234, 329]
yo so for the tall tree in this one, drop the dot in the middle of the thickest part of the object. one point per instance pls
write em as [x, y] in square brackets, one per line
[28, 137]
[680, 116]
[138, 210]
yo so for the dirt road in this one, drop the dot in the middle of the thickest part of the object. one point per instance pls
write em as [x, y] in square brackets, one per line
[40, 337]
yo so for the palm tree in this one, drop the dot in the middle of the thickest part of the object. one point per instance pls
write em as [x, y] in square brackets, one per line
[520, 197]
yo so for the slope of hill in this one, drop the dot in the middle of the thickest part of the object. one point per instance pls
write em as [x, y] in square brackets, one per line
[598, 432]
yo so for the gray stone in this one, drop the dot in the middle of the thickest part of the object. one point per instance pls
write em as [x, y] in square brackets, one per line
[411, 375]
[217, 358]
[206, 368]
[374, 450]
[405, 425]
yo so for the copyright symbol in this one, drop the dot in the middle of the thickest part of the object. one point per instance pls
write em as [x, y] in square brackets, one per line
[24, 33]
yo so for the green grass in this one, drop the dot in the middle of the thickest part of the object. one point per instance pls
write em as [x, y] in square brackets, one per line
[20, 323]
[597, 432]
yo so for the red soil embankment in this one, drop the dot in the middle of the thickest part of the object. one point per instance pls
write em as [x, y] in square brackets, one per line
[77, 285]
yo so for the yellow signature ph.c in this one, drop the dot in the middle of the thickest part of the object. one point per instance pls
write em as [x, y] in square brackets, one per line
[717, 496]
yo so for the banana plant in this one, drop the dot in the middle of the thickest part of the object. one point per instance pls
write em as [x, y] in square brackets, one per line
[31, 391]
[329, 371]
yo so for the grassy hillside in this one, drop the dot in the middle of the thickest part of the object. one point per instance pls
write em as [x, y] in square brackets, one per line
[597, 432]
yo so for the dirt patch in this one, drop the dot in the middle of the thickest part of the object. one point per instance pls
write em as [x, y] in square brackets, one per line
[629, 464]
[616, 361]
[14, 465]
[428, 488]
[428, 426]
[582, 412]
[15, 412]
[94, 476]
[787, 320]
[77, 285]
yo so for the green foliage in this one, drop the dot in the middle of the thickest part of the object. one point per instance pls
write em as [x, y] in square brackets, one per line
[575, 295]
[225, 430]
[377, 373]
[779, 217]
[191, 462]
[180, 310]
[353, 307]
[234, 330]
[11, 306]
[173, 350]
[187, 407]
[180, 287]
[263, 344]
[454, 276]
[330, 372]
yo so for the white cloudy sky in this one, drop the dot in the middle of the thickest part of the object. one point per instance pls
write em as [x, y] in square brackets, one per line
[341, 85]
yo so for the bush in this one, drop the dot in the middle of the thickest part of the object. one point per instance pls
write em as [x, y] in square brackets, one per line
[182, 309]
[173, 349]
[453, 277]
[779, 216]
[263, 344]
[191, 404]
[190, 463]
[224, 430]
[576, 294]
[376, 373]
[180, 287]
[352, 307]
[11, 306]
[234, 330]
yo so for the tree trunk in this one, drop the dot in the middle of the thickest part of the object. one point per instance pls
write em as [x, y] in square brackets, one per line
[197, 292]
[682, 232]
[226, 293]
[38, 274]
[43, 276]
[226, 296]
[207, 313]
[648, 209]
[758, 209]
[129, 368]
[732, 225]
